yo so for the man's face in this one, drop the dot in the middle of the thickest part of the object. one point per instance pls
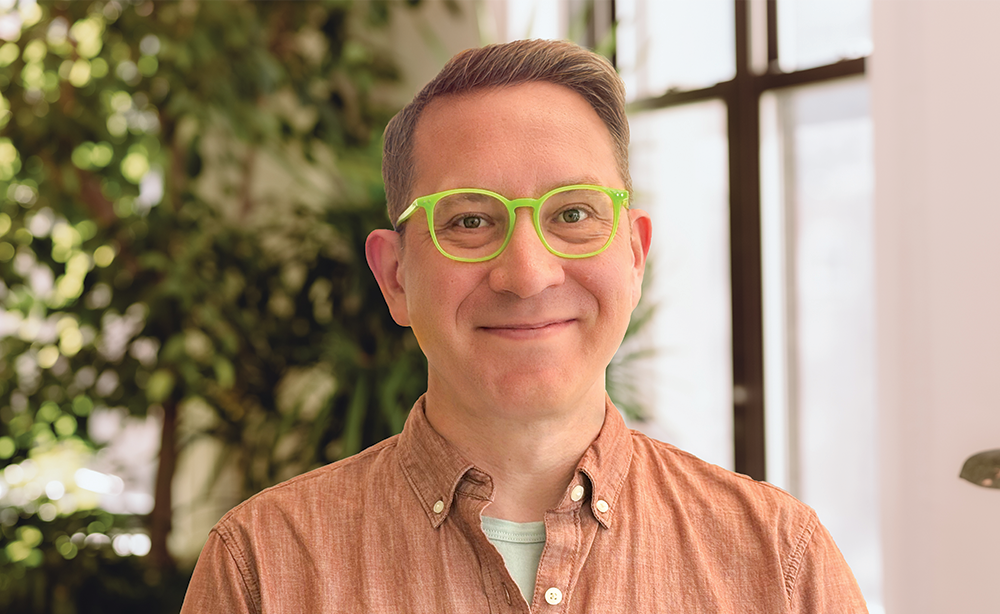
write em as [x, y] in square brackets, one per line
[528, 330]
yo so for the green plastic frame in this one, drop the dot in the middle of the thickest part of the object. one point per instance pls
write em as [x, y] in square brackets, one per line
[618, 197]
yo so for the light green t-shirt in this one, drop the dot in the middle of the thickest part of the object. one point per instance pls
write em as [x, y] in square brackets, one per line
[520, 544]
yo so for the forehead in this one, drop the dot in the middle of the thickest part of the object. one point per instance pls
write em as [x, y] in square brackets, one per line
[520, 141]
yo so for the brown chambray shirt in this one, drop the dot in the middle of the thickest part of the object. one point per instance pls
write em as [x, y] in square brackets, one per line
[396, 528]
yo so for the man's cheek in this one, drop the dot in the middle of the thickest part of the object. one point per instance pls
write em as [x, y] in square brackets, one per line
[428, 337]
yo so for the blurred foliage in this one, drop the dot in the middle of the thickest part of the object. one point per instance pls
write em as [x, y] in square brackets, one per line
[185, 191]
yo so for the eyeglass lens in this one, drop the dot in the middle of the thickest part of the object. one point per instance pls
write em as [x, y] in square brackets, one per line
[574, 222]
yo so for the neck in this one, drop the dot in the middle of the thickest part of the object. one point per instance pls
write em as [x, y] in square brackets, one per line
[531, 455]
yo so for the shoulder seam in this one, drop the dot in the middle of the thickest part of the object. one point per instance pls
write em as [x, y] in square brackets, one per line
[797, 555]
[242, 567]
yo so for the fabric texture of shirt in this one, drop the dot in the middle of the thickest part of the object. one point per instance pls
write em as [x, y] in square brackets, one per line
[397, 528]
[520, 544]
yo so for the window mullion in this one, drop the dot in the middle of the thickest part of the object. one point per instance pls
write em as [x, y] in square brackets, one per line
[745, 259]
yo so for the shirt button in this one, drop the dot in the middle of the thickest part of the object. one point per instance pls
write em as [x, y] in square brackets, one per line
[553, 596]
[439, 507]
[577, 493]
[602, 506]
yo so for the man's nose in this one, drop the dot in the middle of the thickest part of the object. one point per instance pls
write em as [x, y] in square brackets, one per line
[525, 267]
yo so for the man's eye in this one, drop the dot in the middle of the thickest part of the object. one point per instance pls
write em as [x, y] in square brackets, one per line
[572, 216]
[471, 222]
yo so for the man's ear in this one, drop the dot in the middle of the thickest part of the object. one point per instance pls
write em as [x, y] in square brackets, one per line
[642, 235]
[383, 251]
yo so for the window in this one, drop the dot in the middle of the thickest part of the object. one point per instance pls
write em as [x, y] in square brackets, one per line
[792, 126]
[682, 180]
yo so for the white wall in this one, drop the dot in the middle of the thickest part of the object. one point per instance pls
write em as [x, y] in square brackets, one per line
[937, 159]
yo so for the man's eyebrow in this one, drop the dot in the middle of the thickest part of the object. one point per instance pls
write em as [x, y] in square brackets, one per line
[475, 197]
[584, 180]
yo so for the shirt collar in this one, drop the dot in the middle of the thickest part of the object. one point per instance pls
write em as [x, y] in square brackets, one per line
[432, 466]
[436, 471]
[606, 464]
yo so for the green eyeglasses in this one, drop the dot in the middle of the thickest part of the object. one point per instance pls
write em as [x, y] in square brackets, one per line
[473, 225]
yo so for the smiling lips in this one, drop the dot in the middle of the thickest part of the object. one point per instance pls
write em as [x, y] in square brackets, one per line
[528, 330]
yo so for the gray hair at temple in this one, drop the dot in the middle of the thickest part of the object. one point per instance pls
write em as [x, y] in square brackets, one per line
[559, 62]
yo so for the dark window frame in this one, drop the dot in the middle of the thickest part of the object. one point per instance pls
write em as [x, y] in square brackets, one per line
[742, 95]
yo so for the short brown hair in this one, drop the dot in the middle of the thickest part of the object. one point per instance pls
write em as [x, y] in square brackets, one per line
[559, 62]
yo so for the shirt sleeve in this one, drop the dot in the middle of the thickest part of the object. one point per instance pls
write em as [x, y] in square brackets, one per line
[823, 582]
[218, 583]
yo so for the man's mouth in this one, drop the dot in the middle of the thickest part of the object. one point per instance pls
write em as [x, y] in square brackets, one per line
[528, 330]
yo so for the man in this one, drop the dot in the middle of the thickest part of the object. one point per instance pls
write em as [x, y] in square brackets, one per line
[515, 485]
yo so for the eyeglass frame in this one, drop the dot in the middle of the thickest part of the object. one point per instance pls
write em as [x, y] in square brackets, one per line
[619, 200]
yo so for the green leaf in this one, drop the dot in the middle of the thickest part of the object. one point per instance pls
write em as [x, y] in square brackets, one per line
[160, 385]
[225, 373]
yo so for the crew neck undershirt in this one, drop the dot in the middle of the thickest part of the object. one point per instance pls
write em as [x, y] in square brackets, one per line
[520, 544]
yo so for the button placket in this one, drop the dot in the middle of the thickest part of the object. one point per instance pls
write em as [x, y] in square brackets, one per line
[569, 533]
